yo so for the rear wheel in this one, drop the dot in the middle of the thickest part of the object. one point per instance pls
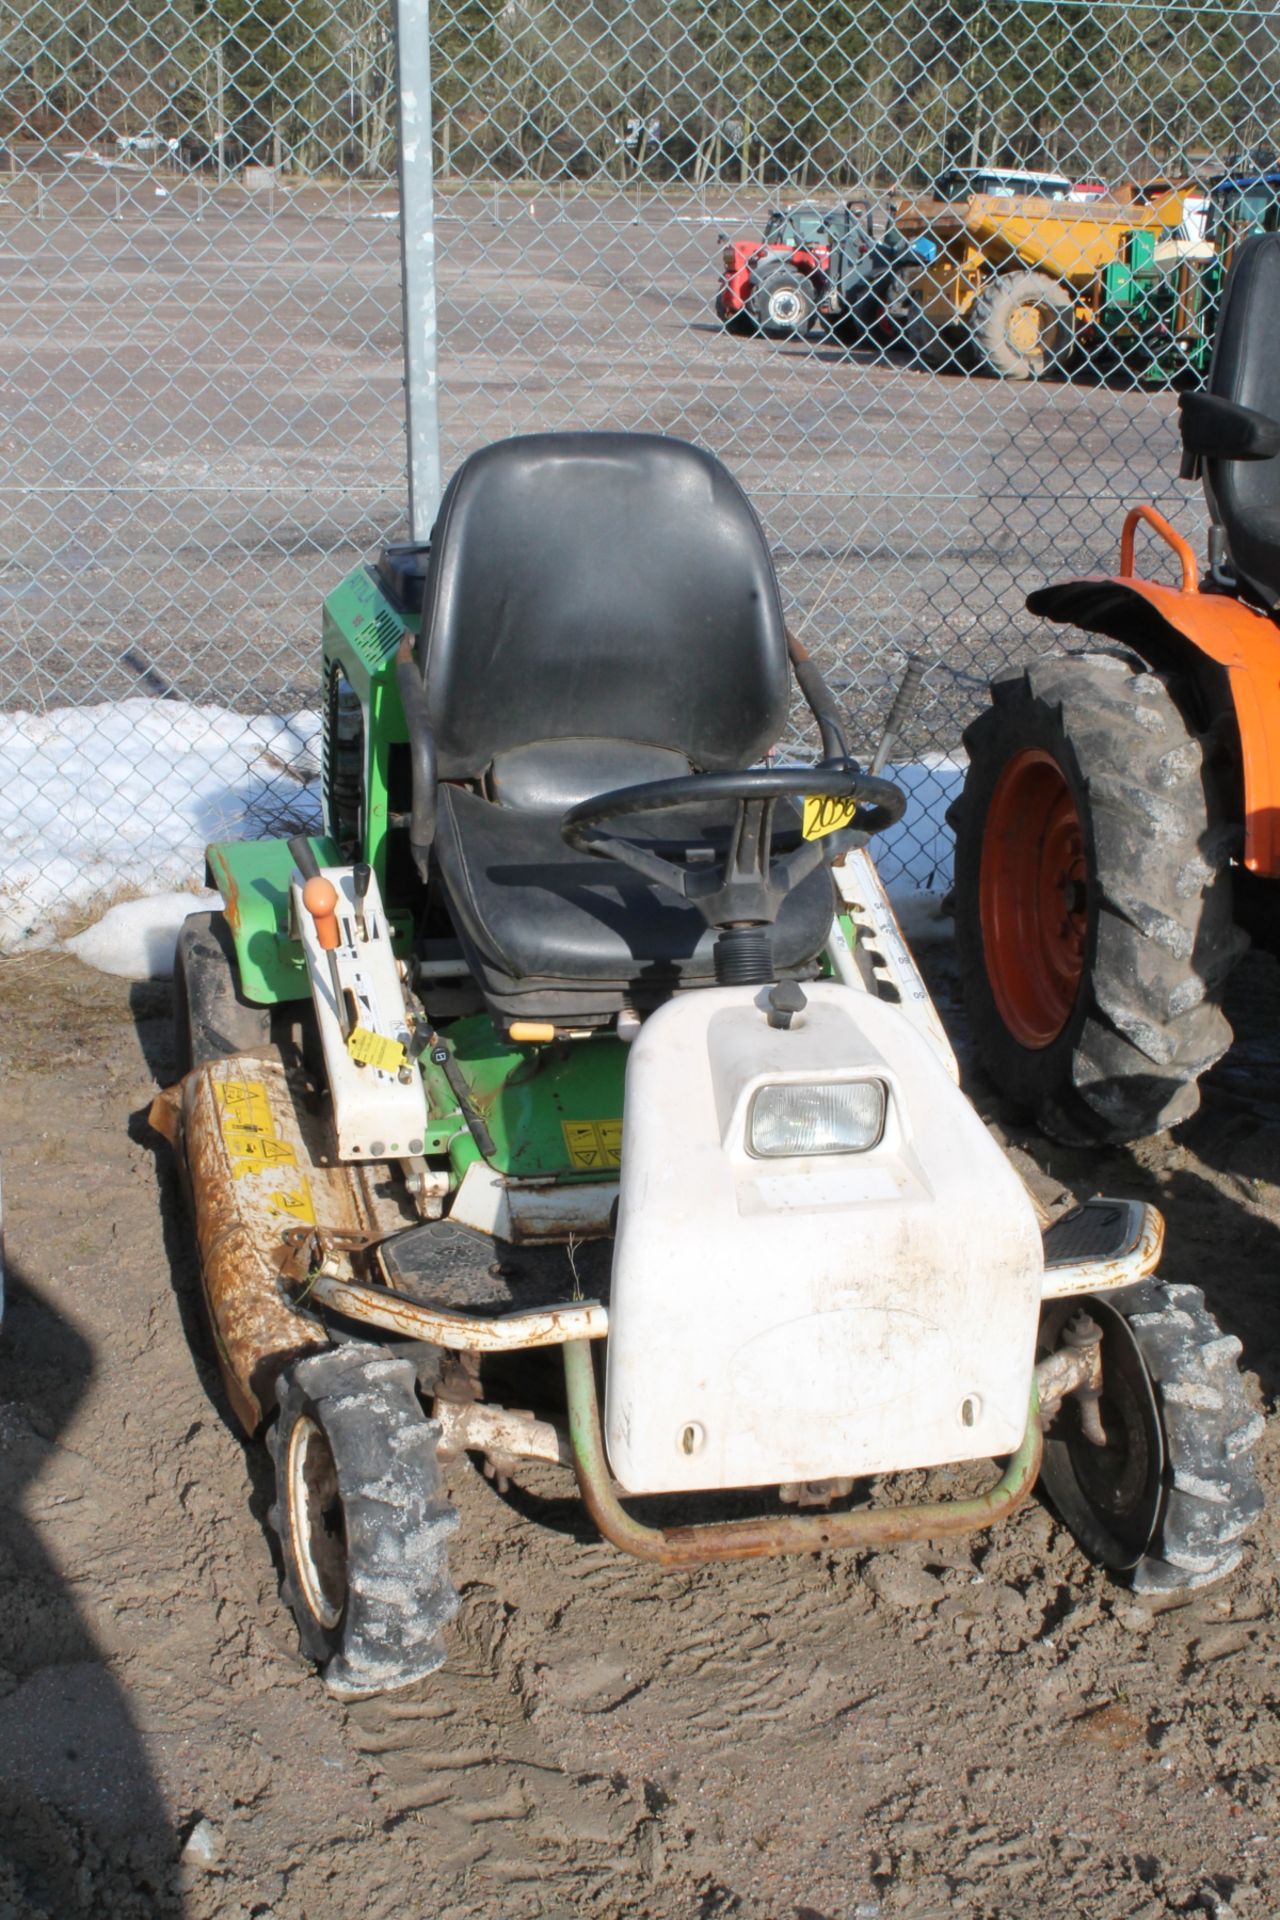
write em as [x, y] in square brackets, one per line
[1167, 1499]
[362, 1519]
[782, 303]
[1021, 326]
[1093, 906]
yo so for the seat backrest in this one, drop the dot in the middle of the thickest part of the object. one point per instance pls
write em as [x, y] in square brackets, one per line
[606, 586]
[1244, 494]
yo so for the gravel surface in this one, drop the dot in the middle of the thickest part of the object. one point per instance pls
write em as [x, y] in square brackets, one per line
[992, 1729]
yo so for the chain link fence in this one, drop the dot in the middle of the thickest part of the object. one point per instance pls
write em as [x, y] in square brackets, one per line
[923, 275]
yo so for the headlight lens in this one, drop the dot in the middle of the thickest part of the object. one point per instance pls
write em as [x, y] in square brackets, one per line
[844, 1116]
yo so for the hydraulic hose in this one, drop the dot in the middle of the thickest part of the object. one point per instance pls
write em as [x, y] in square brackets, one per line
[422, 757]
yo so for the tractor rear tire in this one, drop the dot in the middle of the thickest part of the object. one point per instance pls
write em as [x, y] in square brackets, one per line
[362, 1520]
[1094, 920]
[1021, 326]
[1168, 1500]
[211, 1017]
[782, 304]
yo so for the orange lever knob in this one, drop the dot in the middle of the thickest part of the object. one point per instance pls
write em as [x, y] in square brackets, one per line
[320, 898]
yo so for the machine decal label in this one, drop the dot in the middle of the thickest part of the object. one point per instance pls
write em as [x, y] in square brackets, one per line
[593, 1143]
[824, 812]
[249, 1130]
[375, 1050]
[296, 1202]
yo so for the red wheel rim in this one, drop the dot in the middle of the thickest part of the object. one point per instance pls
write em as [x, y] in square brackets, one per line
[1032, 898]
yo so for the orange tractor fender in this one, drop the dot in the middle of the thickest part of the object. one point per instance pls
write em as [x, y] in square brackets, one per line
[1158, 622]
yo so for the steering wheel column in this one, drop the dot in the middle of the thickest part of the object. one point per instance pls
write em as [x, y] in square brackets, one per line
[738, 890]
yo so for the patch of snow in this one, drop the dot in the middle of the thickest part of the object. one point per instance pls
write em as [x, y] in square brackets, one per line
[136, 939]
[916, 858]
[123, 796]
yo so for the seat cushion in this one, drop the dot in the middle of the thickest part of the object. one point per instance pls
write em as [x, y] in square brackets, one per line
[536, 918]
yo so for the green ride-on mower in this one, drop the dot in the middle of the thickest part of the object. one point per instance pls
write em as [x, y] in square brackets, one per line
[1118, 836]
[574, 1098]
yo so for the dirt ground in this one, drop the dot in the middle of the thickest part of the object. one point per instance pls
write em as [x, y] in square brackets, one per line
[991, 1730]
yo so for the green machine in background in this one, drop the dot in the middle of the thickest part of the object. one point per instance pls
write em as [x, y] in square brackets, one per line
[1158, 314]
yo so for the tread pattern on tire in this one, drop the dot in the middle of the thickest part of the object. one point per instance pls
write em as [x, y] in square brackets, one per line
[1148, 1022]
[1212, 1493]
[397, 1518]
[211, 1017]
[988, 319]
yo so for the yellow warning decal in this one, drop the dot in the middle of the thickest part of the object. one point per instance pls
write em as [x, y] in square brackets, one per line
[593, 1143]
[249, 1129]
[824, 812]
[375, 1050]
[296, 1202]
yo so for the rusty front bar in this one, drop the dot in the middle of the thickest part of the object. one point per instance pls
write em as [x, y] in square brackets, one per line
[677, 1547]
[576, 1320]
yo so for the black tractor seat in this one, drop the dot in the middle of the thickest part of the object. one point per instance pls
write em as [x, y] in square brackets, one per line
[1231, 431]
[600, 610]
[560, 935]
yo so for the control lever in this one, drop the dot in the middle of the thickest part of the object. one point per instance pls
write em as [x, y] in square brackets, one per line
[320, 898]
[361, 875]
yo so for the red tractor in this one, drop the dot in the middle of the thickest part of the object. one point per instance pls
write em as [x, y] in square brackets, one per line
[775, 285]
[1118, 838]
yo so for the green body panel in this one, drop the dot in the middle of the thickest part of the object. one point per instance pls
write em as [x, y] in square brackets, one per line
[527, 1096]
[361, 635]
[253, 878]
[1158, 318]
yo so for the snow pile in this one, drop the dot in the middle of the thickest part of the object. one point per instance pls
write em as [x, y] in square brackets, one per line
[121, 797]
[136, 939]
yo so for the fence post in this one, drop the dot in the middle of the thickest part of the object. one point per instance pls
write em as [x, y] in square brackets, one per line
[418, 262]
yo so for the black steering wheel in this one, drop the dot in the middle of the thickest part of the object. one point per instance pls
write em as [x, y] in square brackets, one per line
[741, 887]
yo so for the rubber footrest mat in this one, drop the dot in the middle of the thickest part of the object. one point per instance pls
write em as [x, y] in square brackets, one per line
[1098, 1230]
[462, 1270]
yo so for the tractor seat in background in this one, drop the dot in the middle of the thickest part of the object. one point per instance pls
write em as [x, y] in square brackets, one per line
[599, 610]
[1231, 431]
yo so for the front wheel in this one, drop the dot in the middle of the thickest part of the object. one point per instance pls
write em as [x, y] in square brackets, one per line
[1094, 916]
[211, 1017]
[1166, 1493]
[733, 319]
[362, 1520]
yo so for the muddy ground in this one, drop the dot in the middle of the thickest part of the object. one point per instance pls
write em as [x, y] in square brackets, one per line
[992, 1729]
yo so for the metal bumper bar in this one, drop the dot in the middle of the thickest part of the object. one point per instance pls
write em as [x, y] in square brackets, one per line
[692, 1546]
[577, 1320]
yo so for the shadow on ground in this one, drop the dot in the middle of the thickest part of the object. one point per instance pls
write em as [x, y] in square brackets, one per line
[84, 1831]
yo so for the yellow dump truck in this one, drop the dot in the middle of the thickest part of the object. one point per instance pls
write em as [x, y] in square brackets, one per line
[1014, 283]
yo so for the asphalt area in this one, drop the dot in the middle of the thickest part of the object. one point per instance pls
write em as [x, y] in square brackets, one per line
[203, 431]
[990, 1729]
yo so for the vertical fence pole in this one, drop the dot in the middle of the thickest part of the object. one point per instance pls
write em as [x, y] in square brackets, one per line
[418, 262]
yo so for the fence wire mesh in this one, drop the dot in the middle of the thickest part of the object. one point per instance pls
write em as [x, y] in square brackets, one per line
[993, 232]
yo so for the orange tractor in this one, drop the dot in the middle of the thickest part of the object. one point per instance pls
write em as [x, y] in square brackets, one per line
[1120, 819]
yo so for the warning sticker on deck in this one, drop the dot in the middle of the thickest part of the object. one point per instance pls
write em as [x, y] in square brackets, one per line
[593, 1143]
[249, 1129]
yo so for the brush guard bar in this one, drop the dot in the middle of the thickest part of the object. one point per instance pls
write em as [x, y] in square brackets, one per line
[693, 1546]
